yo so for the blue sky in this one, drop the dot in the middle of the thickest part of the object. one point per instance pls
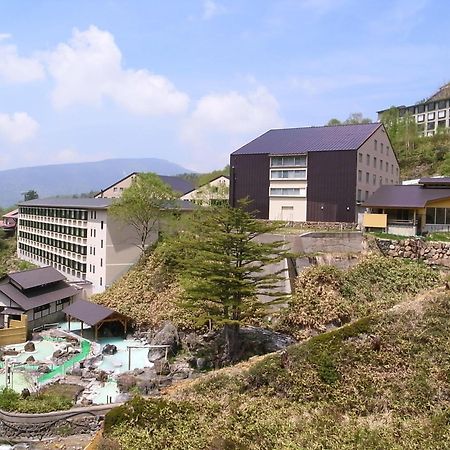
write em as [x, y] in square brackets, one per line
[190, 81]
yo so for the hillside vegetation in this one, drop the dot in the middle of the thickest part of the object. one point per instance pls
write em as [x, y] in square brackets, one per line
[9, 262]
[149, 294]
[379, 382]
[326, 295]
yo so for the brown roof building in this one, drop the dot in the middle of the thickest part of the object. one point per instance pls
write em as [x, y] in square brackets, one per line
[321, 174]
[41, 294]
[411, 209]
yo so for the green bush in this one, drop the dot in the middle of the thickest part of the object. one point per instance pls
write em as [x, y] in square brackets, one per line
[35, 403]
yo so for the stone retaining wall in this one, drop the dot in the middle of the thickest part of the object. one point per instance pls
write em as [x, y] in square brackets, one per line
[18, 426]
[433, 253]
[331, 226]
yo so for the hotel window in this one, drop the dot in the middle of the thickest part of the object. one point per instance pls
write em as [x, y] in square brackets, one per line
[101, 225]
[296, 174]
[441, 124]
[289, 192]
[374, 162]
[367, 195]
[430, 116]
[374, 179]
[442, 114]
[387, 166]
[381, 181]
[375, 145]
[438, 216]
[431, 106]
[360, 157]
[288, 161]
[442, 104]
[101, 243]
[368, 160]
[358, 198]
[392, 169]
[359, 175]
[367, 177]
[420, 108]
[101, 262]
[381, 164]
[381, 147]
[101, 281]
[430, 126]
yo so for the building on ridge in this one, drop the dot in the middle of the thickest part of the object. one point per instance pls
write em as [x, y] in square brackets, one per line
[215, 192]
[430, 114]
[318, 174]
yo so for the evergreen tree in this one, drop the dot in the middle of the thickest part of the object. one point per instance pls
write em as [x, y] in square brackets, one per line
[222, 264]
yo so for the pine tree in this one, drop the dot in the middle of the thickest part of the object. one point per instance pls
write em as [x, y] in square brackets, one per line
[223, 263]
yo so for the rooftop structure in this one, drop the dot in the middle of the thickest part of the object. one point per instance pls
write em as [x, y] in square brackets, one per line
[313, 174]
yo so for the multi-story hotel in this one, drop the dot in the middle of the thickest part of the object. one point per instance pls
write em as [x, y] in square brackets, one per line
[313, 174]
[76, 237]
[430, 114]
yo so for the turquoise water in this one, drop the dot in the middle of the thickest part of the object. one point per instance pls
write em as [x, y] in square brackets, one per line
[44, 351]
[20, 381]
[118, 363]
[108, 391]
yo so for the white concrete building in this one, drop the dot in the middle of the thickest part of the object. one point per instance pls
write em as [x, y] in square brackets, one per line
[77, 237]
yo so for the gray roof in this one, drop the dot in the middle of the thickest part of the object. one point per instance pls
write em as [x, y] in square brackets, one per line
[80, 203]
[88, 312]
[311, 139]
[405, 196]
[36, 277]
[177, 184]
[39, 296]
[435, 181]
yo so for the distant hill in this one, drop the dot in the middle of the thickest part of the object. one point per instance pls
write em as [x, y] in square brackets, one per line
[76, 178]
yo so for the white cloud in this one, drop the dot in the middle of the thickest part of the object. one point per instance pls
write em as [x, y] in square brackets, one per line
[17, 69]
[222, 122]
[17, 127]
[88, 69]
[211, 9]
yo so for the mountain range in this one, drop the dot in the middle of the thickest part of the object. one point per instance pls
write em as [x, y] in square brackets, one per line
[76, 178]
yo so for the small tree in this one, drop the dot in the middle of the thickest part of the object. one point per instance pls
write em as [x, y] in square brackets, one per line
[143, 205]
[222, 264]
[30, 195]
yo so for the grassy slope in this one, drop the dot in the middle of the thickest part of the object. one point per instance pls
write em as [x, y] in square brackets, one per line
[381, 382]
[8, 258]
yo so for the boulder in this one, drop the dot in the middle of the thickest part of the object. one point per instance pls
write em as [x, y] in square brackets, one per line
[109, 349]
[25, 393]
[30, 359]
[57, 354]
[29, 347]
[167, 335]
[101, 376]
[201, 363]
[264, 341]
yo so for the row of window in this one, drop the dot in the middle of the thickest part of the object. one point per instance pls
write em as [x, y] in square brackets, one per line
[375, 147]
[63, 213]
[45, 310]
[74, 248]
[63, 229]
[291, 174]
[374, 178]
[438, 216]
[360, 198]
[49, 256]
[378, 164]
[288, 192]
[418, 109]
[288, 161]
[432, 116]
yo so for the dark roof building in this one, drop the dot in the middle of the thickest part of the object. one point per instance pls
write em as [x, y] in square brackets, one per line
[40, 293]
[314, 173]
[411, 209]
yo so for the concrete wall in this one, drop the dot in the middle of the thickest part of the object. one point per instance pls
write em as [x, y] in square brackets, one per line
[115, 191]
[327, 242]
[291, 209]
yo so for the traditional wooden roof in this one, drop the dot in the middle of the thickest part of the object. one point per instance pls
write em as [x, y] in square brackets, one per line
[89, 312]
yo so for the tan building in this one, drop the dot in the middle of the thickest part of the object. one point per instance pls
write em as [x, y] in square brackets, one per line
[178, 184]
[215, 192]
